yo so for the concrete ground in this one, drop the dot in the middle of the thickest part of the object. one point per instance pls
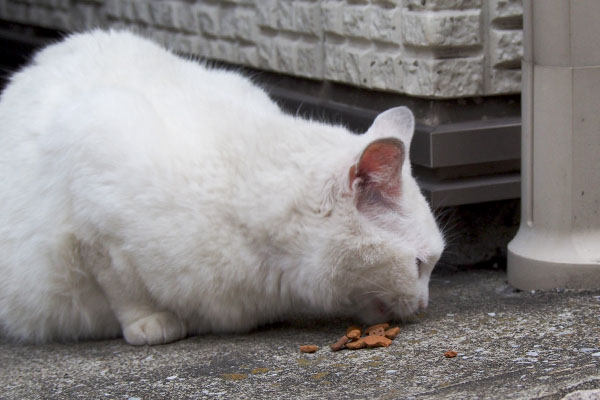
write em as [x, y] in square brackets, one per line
[510, 344]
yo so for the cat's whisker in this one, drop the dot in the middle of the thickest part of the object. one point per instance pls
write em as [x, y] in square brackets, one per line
[444, 217]
[442, 212]
[363, 277]
[374, 292]
[449, 252]
[298, 109]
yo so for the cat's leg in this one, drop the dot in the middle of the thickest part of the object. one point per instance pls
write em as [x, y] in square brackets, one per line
[141, 321]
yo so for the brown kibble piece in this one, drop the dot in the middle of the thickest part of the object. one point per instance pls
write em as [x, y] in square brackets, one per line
[340, 344]
[392, 333]
[385, 325]
[377, 335]
[377, 332]
[376, 341]
[357, 344]
[369, 341]
[353, 332]
[450, 354]
[309, 348]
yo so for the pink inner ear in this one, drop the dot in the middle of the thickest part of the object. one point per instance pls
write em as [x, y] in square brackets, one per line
[379, 168]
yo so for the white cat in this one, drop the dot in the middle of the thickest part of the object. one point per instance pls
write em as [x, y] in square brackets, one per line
[145, 195]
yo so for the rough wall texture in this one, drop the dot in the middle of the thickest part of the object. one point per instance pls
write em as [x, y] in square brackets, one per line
[430, 48]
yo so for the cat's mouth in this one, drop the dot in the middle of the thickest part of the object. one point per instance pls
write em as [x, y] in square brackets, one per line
[380, 310]
[377, 311]
[382, 307]
[375, 308]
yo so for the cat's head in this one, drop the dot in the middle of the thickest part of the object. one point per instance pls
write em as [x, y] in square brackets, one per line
[384, 240]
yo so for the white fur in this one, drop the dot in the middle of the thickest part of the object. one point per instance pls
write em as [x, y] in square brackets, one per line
[147, 195]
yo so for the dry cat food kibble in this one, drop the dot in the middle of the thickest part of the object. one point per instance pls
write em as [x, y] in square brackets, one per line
[375, 336]
[377, 341]
[340, 343]
[353, 332]
[309, 348]
[377, 332]
[355, 345]
[377, 327]
[369, 341]
[450, 354]
[392, 333]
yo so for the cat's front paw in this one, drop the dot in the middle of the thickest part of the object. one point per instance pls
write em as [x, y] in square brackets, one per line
[157, 328]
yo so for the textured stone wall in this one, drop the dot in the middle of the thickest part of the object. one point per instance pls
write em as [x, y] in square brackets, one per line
[431, 48]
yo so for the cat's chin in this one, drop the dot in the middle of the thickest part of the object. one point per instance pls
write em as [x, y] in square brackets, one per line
[378, 311]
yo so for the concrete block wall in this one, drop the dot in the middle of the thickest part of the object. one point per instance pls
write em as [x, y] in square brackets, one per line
[425, 48]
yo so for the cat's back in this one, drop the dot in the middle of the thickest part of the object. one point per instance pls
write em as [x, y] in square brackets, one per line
[93, 47]
[97, 78]
[61, 72]
[90, 83]
[81, 62]
[96, 60]
[102, 58]
[118, 107]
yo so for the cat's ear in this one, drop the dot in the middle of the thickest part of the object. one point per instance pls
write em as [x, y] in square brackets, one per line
[396, 122]
[376, 177]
